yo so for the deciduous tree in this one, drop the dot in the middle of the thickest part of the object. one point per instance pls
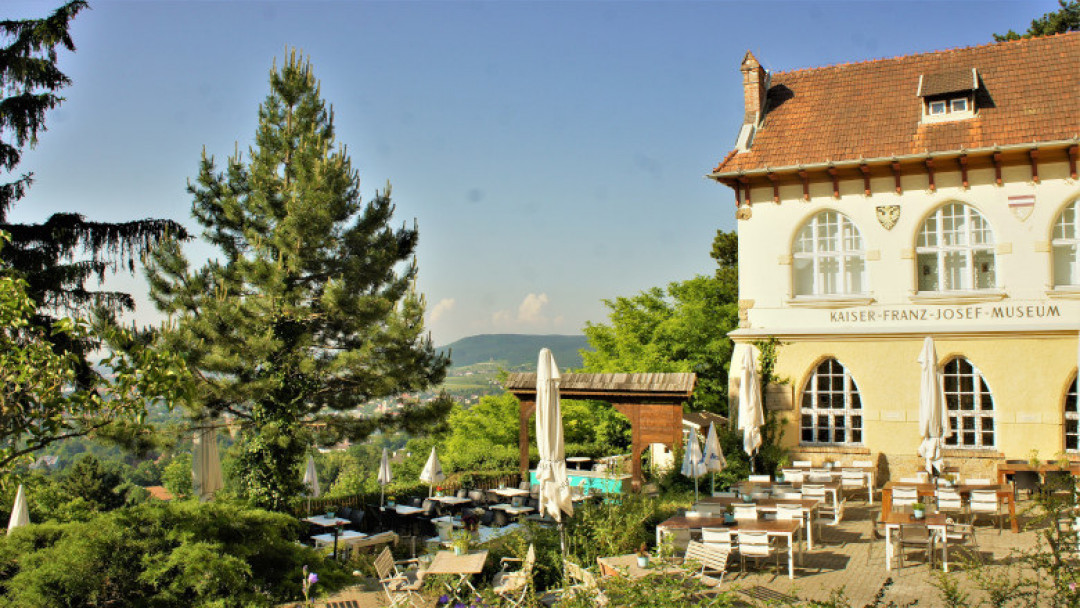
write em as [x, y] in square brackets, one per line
[309, 310]
[682, 328]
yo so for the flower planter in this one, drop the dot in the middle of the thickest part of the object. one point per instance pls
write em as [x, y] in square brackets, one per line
[918, 513]
[643, 561]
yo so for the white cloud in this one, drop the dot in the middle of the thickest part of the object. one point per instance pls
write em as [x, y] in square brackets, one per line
[531, 309]
[530, 314]
[444, 306]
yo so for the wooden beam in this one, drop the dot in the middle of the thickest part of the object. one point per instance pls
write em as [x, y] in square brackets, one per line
[835, 182]
[1072, 160]
[865, 178]
[1033, 156]
[775, 186]
[896, 175]
[805, 185]
[930, 173]
[524, 412]
[738, 193]
[962, 159]
[997, 167]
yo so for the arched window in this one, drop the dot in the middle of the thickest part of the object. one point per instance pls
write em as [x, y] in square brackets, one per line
[831, 407]
[828, 257]
[1067, 246]
[1072, 420]
[955, 250]
[971, 406]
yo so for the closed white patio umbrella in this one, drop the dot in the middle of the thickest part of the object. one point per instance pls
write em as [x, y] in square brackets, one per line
[385, 476]
[20, 512]
[693, 463]
[714, 455]
[551, 470]
[205, 462]
[751, 411]
[311, 477]
[432, 473]
[933, 415]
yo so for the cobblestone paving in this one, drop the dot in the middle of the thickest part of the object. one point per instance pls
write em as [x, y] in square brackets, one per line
[847, 556]
[851, 557]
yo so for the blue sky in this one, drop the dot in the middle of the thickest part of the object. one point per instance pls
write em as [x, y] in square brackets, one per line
[552, 153]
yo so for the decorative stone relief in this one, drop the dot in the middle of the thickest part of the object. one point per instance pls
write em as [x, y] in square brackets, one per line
[744, 312]
[888, 215]
[743, 213]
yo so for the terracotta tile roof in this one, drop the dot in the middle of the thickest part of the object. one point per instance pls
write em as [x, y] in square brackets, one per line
[159, 492]
[1030, 92]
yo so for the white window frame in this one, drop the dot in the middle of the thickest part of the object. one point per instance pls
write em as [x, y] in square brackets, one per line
[1072, 413]
[937, 108]
[824, 418]
[963, 244]
[1067, 235]
[956, 101]
[819, 256]
[978, 414]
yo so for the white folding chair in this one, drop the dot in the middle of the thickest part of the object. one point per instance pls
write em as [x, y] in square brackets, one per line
[904, 496]
[745, 511]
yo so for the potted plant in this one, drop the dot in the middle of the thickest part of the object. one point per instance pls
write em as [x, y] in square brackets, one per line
[390, 502]
[460, 541]
[918, 510]
[1033, 459]
[643, 556]
[729, 514]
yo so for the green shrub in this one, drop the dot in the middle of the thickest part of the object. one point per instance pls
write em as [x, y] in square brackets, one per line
[161, 555]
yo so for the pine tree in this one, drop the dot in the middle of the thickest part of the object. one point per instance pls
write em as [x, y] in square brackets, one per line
[310, 310]
[59, 256]
[1067, 19]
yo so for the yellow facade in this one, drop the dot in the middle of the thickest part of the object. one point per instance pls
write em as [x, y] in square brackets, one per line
[1027, 375]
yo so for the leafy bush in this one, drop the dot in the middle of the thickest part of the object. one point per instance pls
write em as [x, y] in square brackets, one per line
[161, 555]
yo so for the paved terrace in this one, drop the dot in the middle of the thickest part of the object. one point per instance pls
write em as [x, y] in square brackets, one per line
[847, 555]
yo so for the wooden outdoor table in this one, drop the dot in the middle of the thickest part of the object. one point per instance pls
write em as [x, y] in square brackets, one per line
[334, 523]
[768, 505]
[464, 566]
[1005, 469]
[510, 492]
[627, 565]
[936, 522]
[786, 529]
[927, 490]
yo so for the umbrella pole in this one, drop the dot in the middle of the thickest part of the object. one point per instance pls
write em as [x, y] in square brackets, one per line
[382, 495]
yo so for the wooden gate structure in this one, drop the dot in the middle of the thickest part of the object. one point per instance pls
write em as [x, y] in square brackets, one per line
[652, 402]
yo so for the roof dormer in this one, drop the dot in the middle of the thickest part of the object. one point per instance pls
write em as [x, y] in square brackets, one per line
[948, 95]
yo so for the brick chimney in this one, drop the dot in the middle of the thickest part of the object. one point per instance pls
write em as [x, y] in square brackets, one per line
[755, 84]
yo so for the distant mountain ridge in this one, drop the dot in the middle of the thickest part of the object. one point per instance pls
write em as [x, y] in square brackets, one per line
[517, 350]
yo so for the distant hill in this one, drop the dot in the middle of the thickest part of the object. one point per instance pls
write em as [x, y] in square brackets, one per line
[516, 350]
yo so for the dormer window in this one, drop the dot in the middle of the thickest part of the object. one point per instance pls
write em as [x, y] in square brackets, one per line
[949, 95]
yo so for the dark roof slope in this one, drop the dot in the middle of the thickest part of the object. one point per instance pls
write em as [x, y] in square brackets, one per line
[1029, 91]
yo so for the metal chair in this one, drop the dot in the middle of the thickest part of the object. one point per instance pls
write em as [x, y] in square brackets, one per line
[915, 536]
[852, 480]
[759, 479]
[949, 501]
[717, 536]
[985, 502]
[745, 511]
[904, 496]
[756, 546]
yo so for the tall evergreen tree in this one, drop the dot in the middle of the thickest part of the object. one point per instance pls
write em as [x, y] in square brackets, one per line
[1067, 19]
[58, 257]
[309, 311]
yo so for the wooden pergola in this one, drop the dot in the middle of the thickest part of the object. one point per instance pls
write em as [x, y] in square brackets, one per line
[652, 402]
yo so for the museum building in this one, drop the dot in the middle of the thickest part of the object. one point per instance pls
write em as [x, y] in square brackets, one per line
[884, 201]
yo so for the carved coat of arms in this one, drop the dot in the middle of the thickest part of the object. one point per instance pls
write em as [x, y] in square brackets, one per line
[888, 215]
